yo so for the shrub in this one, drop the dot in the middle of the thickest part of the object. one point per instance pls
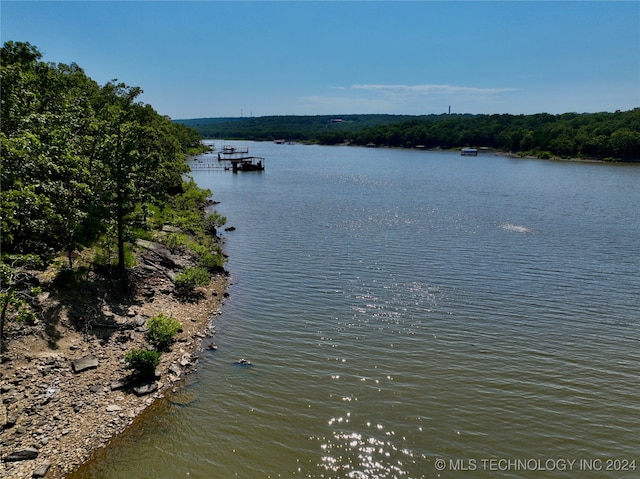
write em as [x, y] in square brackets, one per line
[213, 221]
[161, 330]
[191, 277]
[211, 261]
[178, 242]
[142, 361]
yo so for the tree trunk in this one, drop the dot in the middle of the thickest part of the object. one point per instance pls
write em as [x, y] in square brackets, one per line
[120, 220]
[70, 257]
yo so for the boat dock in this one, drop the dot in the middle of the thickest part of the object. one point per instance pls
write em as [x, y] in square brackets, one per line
[230, 153]
[248, 163]
[233, 158]
[469, 152]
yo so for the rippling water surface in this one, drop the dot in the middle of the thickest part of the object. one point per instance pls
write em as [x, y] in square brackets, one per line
[412, 314]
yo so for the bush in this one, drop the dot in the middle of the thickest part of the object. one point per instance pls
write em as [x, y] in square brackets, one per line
[212, 261]
[191, 277]
[142, 361]
[213, 221]
[178, 242]
[161, 330]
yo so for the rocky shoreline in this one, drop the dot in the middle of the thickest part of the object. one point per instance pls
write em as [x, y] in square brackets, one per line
[64, 390]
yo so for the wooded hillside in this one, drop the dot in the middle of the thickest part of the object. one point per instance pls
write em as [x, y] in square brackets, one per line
[605, 136]
[82, 165]
[78, 159]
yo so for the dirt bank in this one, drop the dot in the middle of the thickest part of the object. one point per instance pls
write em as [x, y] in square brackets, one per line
[54, 413]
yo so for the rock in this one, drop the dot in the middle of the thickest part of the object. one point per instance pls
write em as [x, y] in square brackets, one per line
[140, 321]
[156, 254]
[125, 338]
[185, 360]
[41, 470]
[96, 388]
[12, 419]
[145, 389]
[82, 364]
[148, 293]
[175, 369]
[146, 244]
[51, 360]
[11, 398]
[22, 455]
[117, 385]
[81, 411]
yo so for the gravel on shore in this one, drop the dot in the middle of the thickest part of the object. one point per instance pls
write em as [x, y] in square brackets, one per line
[64, 390]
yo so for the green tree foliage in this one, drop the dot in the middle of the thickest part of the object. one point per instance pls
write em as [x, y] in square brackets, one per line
[79, 160]
[80, 163]
[592, 135]
[44, 170]
[18, 289]
[139, 158]
[320, 128]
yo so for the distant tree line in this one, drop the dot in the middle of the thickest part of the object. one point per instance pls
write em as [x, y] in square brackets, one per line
[594, 135]
[612, 136]
[316, 128]
[80, 163]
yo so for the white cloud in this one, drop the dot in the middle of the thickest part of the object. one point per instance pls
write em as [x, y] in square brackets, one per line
[431, 89]
[406, 99]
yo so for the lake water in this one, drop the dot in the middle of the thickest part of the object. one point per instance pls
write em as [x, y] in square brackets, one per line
[412, 314]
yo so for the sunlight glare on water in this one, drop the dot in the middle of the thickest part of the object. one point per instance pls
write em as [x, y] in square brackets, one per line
[404, 307]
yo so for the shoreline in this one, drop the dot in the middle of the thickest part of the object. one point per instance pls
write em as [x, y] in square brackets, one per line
[494, 152]
[58, 416]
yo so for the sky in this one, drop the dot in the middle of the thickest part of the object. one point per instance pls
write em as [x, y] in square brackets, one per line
[196, 59]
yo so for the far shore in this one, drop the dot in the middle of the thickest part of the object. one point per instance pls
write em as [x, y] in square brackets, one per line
[491, 151]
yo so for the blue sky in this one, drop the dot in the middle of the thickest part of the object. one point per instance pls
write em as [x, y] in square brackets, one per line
[236, 58]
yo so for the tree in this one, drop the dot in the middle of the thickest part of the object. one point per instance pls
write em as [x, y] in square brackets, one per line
[625, 142]
[44, 175]
[138, 158]
[18, 289]
[78, 161]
